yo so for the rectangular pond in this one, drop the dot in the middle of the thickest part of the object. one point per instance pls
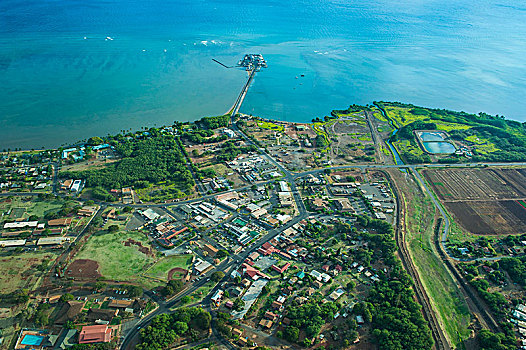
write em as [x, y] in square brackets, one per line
[436, 147]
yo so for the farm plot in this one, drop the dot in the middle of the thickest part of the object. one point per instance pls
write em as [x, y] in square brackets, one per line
[477, 184]
[490, 217]
[483, 201]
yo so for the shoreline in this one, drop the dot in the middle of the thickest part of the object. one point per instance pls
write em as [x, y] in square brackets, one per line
[40, 149]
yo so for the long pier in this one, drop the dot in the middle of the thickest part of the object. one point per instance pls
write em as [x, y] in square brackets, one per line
[243, 94]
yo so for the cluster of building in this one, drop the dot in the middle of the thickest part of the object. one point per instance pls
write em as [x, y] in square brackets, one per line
[518, 318]
[52, 233]
[163, 228]
[103, 151]
[72, 185]
[34, 178]
[254, 168]
[375, 199]
[98, 326]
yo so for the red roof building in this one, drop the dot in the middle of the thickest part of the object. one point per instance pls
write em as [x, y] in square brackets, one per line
[281, 269]
[284, 255]
[95, 334]
[252, 272]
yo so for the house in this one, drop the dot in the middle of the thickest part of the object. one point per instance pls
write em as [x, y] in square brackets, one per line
[359, 319]
[229, 304]
[95, 315]
[120, 304]
[110, 214]
[69, 312]
[254, 256]
[201, 266]
[67, 184]
[252, 272]
[270, 316]
[211, 250]
[60, 222]
[95, 334]
[266, 323]
[216, 298]
[281, 269]
[319, 204]
[317, 284]
[237, 331]
[276, 305]
[335, 295]
[89, 212]
[343, 204]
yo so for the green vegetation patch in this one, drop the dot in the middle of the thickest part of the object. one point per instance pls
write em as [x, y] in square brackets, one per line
[116, 260]
[490, 138]
[144, 161]
[269, 125]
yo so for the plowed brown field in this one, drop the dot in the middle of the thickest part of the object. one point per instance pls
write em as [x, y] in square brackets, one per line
[483, 201]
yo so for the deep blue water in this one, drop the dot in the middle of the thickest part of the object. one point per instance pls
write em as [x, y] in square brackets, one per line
[58, 87]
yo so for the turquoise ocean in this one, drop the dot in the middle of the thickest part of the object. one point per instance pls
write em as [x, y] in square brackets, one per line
[72, 69]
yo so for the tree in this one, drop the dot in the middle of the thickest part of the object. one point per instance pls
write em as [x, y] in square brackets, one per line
[202, 320]
[291, 333]
[172, 287]
[135, 291]
[113, 228]
[217, 276]
[180, 327]
[99, 285]
[94, 141]
[238, 304]
[221, 254]
[66, 297]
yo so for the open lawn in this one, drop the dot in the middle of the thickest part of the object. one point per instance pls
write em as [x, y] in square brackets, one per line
[116, 260]
[160, 269]
[21, 271]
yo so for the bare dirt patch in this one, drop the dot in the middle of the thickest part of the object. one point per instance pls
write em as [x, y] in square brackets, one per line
[483, 201]
[83, 269]
[478, 184]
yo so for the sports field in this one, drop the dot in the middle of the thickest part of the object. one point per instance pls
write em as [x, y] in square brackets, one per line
[121, 256]
[161, 269]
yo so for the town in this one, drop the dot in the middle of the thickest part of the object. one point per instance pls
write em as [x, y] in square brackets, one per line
[239, 232]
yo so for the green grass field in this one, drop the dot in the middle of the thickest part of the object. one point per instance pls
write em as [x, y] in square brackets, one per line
[447, 299]
[160, 269]
[117, 261]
